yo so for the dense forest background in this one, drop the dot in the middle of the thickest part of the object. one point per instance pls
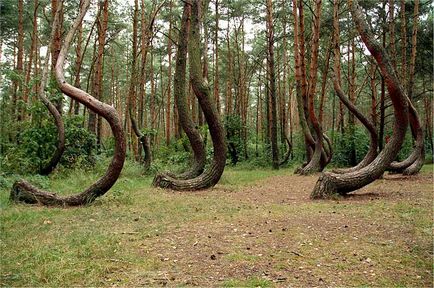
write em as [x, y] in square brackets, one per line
[124, 55]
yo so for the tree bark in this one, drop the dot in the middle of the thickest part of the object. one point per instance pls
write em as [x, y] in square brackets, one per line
[184, 113]
[314, 164]
[102, 22]
[272, 86]
[329, 183]
[309, 141]
[132, 95]
[23, 191]
[55, 48]
[212, 175]
[51, 165]
[372, 152]
[418, 149]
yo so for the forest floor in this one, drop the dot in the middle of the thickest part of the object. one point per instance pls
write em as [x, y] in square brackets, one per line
[256, 228]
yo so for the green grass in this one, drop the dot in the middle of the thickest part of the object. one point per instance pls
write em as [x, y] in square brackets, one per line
[111, 242]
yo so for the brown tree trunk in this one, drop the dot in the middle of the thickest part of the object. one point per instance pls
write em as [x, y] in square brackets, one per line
[146, 145]
[212, 175]
[169, 83]
[184, 113]
[19, 68]
[132, 99]
[314, 164]
[78, 62]
[309, 141]
[102, 22]
[216, 58]
[51, 165]
[415, 160]
[55, 48]
[32, 54]
[23, 191]
[417, 155]
[404, 46]
[372, 152]
[272, 86]
[329, 183]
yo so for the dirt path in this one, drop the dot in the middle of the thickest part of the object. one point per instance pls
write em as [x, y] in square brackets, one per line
[273, 234]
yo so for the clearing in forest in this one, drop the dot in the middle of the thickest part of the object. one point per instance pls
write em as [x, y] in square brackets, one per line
[255, 228]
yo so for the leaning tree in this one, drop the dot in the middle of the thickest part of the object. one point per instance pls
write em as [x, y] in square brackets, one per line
[22, 191]
[331, 183]
[201, 89]
[336, 75]
[414, 162]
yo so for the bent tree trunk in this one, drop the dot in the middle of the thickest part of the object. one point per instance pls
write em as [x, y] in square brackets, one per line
[212, 175]
[416, 158]
[184, 114]
[372, 152]
[51, 165]
[288, 151]
[146, 145]
[23, 191]
[314, 164]
[331, 183]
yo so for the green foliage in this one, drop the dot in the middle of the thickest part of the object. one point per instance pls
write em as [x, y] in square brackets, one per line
[38, 141]
[343, 146]
[234, 127]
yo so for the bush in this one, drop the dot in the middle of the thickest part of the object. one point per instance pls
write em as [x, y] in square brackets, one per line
[37, 142]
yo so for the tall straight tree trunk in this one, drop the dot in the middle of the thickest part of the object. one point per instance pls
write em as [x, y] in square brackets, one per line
[23, 191]
[212, 175]
[32, 53]
[383, 83]
[78, 63]
[57, 155]
[329, 183]
[132, 99]
[404, 45]
[169, 82]
[272, 85]
[19, 68]
[102, 22]
[216, 57]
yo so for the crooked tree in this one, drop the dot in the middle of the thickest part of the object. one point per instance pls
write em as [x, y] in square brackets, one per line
[331, 183]
[22, 191]
[201, 89]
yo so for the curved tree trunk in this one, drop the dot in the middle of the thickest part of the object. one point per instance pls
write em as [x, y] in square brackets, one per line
[314, 164]
[308, 139]
[51, 165]
[184, 114]
[23, 191]
[288, 151]
[418, 152]
[212, 175]
[146, 145]
[330, 183]
[372, 152]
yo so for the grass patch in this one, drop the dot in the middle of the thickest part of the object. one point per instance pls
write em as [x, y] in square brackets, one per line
[137, 235]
